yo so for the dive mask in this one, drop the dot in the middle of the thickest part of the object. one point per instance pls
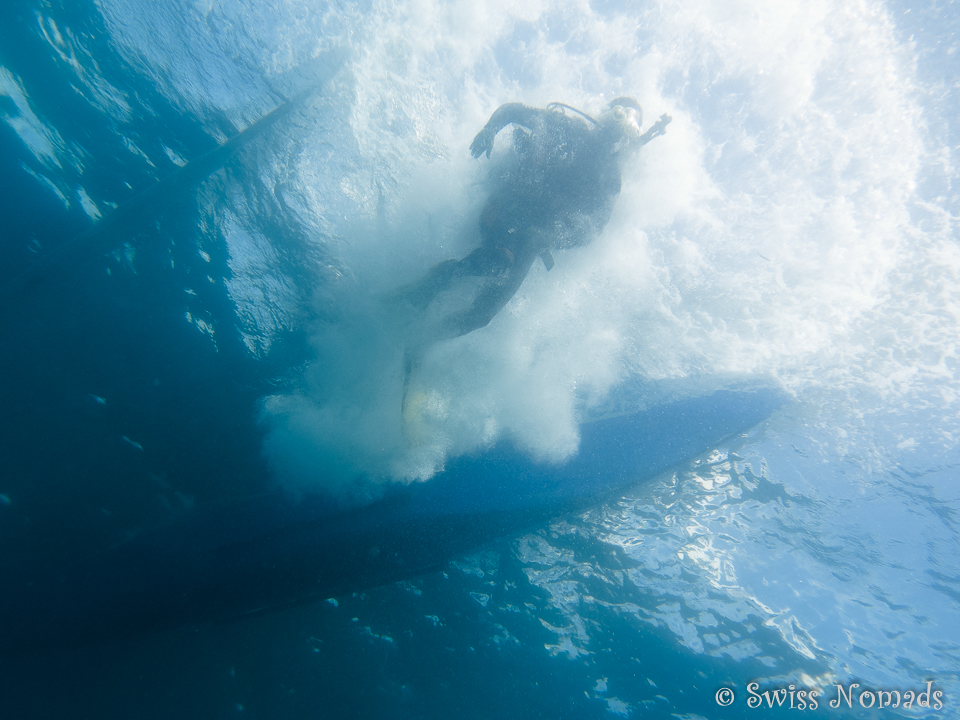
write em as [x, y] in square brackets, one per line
[624, 120]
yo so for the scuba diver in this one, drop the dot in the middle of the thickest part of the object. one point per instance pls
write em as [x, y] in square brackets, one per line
[555, 190]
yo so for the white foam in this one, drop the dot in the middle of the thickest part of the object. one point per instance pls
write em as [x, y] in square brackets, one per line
[777, 227]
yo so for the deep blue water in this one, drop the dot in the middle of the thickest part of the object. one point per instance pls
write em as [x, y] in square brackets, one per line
[798, 220]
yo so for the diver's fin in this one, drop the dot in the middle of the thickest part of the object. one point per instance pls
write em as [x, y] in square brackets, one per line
[547, 258]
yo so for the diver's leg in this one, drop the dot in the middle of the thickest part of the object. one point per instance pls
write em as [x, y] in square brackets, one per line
[411, 361]
[488, 302]
[481, 262]
[434, 282]
[486, 261]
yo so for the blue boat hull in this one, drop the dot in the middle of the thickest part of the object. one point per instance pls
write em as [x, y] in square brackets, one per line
[269, 551]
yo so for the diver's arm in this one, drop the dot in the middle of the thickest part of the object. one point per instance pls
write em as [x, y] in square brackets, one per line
[511, 113]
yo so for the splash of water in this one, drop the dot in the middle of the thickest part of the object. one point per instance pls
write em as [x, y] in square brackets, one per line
[779, 227]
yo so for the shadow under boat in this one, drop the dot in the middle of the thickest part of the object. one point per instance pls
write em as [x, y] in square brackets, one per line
[270, 550]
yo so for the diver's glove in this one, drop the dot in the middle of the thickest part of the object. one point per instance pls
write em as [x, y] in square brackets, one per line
[659, 128]
[483, 142]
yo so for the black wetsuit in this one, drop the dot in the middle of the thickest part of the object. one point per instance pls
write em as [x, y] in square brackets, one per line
[555, 190]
